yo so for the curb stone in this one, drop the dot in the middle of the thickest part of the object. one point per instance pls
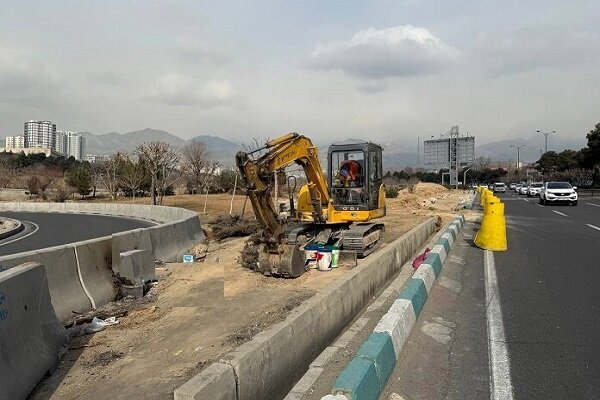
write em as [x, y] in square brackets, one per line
[367, 373]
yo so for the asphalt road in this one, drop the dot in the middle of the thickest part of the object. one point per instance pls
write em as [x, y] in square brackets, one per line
[53, 229]
[549, 282]
[548, 313]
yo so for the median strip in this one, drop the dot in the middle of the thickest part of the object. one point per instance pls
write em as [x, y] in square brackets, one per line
[366, 375]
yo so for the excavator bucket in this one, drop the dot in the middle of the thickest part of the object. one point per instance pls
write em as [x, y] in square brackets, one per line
[288, 262]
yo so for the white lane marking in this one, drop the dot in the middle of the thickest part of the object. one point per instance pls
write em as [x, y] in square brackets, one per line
[538, 204]
[500, 382]
[559, 213]
[593, 227]
[37, 228]
[592, 204]
[527, 200]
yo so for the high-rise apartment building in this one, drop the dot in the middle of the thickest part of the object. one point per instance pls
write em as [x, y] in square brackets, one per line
[14, 142]
[40, 134]
[70, 144]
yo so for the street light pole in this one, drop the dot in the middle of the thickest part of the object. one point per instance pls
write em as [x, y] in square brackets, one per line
[518, 155]
[465, 177]
[546, 134]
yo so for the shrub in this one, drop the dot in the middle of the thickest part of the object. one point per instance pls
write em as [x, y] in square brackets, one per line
[391, 192]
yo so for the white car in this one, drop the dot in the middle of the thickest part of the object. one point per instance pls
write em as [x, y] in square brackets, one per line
[558, 192]
[499, 187]
[523, 189]
[534, 189]
[518, 187]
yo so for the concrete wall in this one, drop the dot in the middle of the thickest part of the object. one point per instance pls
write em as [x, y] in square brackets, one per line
[32, 337]
[268, 366]
[80, 275]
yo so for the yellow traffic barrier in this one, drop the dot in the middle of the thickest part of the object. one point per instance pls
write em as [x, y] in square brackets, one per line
[492, 233]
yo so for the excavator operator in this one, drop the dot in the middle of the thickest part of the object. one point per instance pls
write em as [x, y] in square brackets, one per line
[350, 173]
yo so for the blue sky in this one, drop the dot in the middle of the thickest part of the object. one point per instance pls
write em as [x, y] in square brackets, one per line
[380, 70]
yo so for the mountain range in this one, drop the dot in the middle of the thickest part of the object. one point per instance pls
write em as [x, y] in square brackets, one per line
[396, 156]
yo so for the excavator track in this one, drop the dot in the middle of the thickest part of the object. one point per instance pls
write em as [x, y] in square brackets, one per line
[363, 238]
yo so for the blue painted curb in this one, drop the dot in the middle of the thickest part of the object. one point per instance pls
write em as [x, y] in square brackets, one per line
[367, 373]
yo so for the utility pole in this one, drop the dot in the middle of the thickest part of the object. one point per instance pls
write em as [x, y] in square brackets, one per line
[518, 155]
[418, 149]
[546, 134]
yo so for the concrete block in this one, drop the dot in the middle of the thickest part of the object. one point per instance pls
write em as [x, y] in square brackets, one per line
[32, 336]
[453, 229]
[435, 261]
[358, 381]
[217, 382]
[137, 266]
[65, 289]
[448, 236]
[427, 275]
[379, 349]
[415, 292]
[398, 323]
[441, 250]
[444, 243]
[137, 239]
[262, 366]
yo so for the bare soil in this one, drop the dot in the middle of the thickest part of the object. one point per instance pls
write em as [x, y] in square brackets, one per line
[204, 310]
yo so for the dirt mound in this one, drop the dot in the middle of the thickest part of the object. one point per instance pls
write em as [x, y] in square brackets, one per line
[424, 189]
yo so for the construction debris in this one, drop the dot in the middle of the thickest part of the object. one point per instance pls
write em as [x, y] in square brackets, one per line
[226, 226]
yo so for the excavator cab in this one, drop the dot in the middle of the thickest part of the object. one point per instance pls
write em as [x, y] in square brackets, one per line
[355, 176]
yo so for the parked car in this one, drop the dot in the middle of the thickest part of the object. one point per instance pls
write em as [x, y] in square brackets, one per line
[558, 192]
[512, 185]
[534, 189]
[523, 189]
[517, 187]
[499, 187]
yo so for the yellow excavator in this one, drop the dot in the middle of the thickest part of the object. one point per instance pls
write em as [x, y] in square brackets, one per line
[332, 209]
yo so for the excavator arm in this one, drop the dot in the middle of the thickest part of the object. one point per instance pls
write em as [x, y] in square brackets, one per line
[259, 175]
[274, 254]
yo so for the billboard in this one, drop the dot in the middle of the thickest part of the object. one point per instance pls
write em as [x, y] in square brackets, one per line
[437, 152]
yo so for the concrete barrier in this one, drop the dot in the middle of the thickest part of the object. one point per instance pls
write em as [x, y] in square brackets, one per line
[32, 336]
[268, 366]
[66, 291]
[80, 275]
[137, 266]
[95, 259]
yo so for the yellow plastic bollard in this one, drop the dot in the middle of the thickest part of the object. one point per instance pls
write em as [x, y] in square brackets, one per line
[492, 233]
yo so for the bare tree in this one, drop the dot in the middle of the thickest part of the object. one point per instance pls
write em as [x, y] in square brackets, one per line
[7, 171]
[196, 162]
[109, 174]
[162, 162]
[132, 174]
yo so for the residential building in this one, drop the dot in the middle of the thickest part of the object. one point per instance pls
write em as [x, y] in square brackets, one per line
[40, 134]
[95, 158]
[70, 144]
[15, 142]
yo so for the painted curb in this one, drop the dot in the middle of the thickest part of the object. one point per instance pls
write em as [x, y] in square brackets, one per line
[376, 358]
[14, 230]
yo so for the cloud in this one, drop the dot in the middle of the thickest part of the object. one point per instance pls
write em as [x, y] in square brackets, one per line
[25, 79]
[392, 52]
[529, 49]
[178, 89]
[193, 51]
[373, 86]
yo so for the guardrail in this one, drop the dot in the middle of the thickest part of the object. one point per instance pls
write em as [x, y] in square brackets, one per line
[81, 275]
